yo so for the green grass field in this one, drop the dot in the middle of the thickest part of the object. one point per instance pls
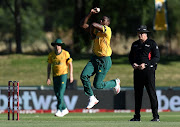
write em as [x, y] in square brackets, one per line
[30, 70]
[168, 119]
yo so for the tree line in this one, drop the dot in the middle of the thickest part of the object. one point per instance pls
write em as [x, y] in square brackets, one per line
[28, 20]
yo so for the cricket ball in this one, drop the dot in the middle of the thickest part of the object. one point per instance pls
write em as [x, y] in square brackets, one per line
[98, 9]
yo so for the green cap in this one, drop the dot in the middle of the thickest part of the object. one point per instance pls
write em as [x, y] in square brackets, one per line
[57, 42]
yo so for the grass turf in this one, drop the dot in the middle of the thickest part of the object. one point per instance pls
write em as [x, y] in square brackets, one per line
[31, 70]
[168, 119]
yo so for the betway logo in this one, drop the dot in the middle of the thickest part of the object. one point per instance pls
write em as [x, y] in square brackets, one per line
[29, 100]
[164, 103]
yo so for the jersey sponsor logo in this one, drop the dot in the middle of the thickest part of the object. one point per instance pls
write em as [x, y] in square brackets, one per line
[147, 45]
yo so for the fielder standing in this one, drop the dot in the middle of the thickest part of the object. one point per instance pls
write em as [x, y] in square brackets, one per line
[60, 60]
[143, 57]
[100, 62]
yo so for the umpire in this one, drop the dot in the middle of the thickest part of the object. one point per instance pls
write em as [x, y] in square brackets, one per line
[143, 57]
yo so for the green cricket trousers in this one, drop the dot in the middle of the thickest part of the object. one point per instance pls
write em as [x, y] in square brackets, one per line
[59, 90]
[99, 66]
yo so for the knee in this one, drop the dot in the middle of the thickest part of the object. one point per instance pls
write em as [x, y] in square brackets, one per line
[97, 85]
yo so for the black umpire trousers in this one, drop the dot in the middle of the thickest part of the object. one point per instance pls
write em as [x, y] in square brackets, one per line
[145, 78]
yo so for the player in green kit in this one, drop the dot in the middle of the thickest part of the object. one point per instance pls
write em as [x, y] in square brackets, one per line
[100, 62]
[59, 60]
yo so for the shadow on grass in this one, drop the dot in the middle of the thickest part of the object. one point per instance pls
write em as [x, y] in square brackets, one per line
[167, 59]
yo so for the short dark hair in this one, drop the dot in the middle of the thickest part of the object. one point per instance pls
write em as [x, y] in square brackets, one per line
[109, 19]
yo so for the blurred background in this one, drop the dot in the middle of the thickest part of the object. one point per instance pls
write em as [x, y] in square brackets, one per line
[27, 29]
[30, 26]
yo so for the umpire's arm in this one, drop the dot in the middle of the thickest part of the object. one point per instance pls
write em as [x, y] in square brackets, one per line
[131, 56]
[155, 56]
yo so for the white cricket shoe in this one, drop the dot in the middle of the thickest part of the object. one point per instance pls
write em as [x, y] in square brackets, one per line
[92, 101]
[117, 88]
[65, 112]
[58, 113]
[61, 114]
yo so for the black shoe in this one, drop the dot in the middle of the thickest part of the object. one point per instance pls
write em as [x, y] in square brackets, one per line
[135, 119]
[155, 120]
